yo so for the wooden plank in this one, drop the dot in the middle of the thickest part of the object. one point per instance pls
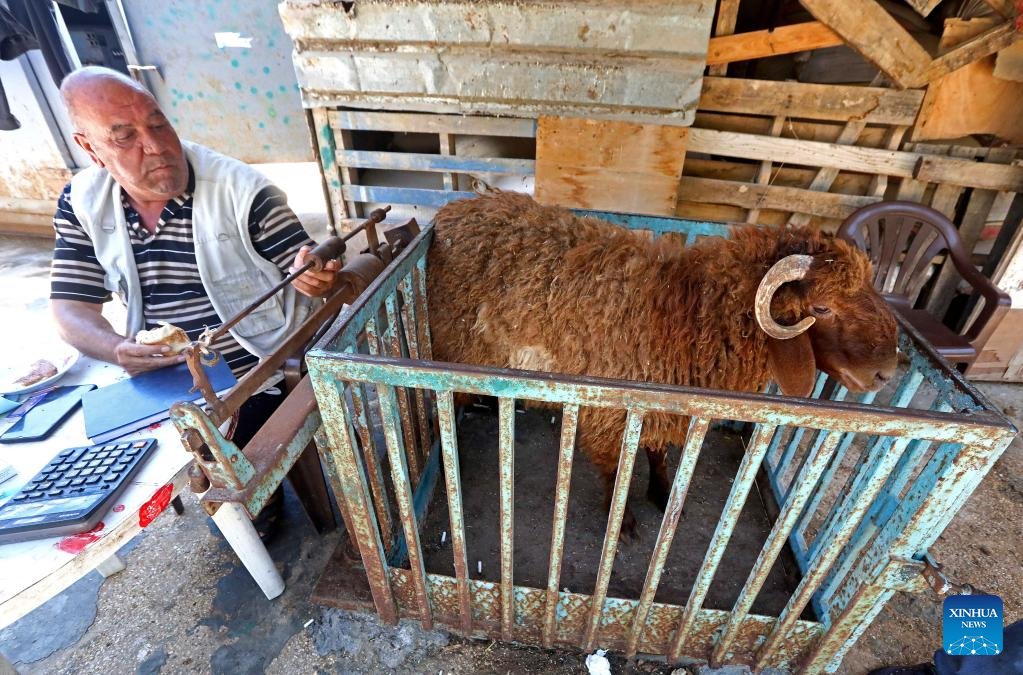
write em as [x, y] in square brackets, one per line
[728, 11]
[433, 124]
[998, 353]
[870, 30]
[411, 161]
[798, 37]
[851, 158]
[1004, 7]
[447, 147]
[923, 7]
[971, 100]
[985, 44]
[825, 132]
[969, 173]
[607, 165]
[754, 196]
[764, 173]
[1009, 63]
[893, 138]
[874, 105]
[826, 176]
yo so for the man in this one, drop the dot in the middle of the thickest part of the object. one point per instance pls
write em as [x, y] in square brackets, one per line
[181, 233]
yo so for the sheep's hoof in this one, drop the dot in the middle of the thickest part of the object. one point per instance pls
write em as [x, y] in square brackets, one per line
[628, 531]
[658, 496]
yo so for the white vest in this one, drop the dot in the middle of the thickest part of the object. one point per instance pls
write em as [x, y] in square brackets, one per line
[233, 273]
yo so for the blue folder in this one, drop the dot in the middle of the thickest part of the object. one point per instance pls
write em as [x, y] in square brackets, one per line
[135, 403]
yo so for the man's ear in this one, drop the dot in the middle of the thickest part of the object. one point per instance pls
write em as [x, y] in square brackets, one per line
[84, 144]
[792, 364]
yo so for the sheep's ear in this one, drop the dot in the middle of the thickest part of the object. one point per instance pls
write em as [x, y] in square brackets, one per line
[792, 364]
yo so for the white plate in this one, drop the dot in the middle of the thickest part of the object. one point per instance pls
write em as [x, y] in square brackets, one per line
[60, 355]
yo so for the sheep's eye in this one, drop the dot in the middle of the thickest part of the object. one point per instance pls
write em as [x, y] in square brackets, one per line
[821, 310]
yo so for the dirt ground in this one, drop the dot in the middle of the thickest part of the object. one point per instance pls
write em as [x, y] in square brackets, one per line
[185, 605]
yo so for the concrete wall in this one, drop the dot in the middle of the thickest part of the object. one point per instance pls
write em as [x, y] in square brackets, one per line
[243, 102]
[31, 164]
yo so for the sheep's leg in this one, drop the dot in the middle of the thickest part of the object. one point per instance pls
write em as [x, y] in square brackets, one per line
[659, 486]
[628, 530]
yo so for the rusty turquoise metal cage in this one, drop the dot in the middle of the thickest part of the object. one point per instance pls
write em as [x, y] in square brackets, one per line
[863, 484]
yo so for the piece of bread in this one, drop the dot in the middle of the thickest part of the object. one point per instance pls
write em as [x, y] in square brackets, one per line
[167, 334]
[38, 371]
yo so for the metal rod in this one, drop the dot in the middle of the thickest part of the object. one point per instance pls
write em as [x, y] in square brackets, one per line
[394, 330]
[375, 217]
[403, 496]
[784, 464]
[506, 424]
[669, 523]
[751, 459]
[409, 321]
[569, 427]
[805, 481]
[836, 461]
[619, 500]
[355, 491]
[452, 480]
[374, 471]
[883, 457]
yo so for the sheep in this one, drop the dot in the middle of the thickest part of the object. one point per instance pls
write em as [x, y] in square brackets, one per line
[514, 284]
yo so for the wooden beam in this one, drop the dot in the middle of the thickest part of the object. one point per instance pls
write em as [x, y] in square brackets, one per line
[1004, 7]
[985, 44]
[874, 105]
[771, 197]
[764, 174]
[827, 175]
[988, 176]
[798, 37]
[924, 7]
[852, 158]
[870, 30]
[728, 11]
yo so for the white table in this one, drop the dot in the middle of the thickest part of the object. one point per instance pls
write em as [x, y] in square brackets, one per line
[32, 572]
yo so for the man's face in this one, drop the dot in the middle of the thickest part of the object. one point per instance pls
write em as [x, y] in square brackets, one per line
[124, 131]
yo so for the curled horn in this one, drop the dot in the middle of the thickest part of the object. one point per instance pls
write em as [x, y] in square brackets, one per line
[790, 268]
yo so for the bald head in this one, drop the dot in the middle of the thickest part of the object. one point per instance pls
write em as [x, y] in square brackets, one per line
[85, 85]
[119, 123]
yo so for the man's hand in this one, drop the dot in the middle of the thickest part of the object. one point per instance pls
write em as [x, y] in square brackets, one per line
[314, 284]
[136, 358]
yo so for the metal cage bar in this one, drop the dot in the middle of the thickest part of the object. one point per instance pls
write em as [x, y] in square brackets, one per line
[403, 495]
[751, 461]
[453, 483]
[669, 523]
[820, 454]
[506, 450]
[626, 461]
[404, 408]
[569, 427]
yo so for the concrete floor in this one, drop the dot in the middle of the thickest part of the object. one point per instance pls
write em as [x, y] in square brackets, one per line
[185, 605]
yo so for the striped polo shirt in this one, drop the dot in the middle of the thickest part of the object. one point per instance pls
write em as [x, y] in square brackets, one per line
[172, 290]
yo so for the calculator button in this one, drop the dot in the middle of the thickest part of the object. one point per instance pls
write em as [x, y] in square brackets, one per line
[54, 493]
[45, 486]
[94, 463]
[73, 473]
[20, 497]
[122, 446]
[110, 477]
[34, 495]
[139, 444]
[108, 461]
[92, 480]
[85, 472]
[78, 481]
[121, 467]
[65, 453]
[62, 483]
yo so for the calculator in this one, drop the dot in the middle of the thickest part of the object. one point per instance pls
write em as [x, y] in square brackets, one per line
[71, 494]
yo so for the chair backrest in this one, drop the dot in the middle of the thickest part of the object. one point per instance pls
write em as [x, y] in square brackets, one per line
[902, 240]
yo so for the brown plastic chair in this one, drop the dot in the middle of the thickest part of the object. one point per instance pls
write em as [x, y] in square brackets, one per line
[902, 240]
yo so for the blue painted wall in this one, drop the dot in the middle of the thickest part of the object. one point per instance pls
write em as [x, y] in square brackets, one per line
[241, 102]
